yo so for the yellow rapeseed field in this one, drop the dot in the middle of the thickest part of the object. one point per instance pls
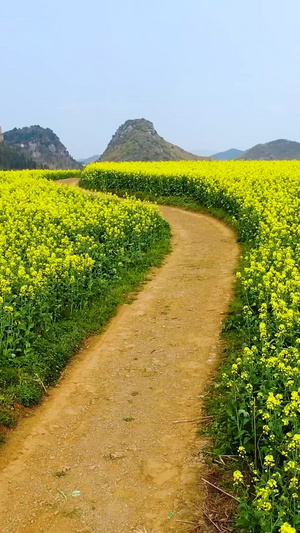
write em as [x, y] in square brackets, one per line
[259, 399]
[59, 246]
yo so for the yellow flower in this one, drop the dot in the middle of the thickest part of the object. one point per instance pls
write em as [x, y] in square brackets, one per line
[274, 401]
[286, 528]
[269, 460]
[238, 477]
[242, 451]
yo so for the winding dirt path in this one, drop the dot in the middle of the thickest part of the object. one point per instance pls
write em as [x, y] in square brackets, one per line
[107, 429]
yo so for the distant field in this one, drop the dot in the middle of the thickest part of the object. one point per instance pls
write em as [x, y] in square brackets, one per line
[258, 402]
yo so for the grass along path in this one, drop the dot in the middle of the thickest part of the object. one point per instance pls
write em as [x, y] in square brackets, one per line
[106, 430]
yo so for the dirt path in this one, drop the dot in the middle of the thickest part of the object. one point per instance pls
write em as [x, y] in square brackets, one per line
[106, 430]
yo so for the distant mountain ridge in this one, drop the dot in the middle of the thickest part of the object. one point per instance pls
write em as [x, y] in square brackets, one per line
[89, 160]
[281, 149]
[137, 140]
[228, 155]
[42, 145]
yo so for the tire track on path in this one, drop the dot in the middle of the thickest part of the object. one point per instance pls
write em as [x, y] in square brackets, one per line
[106, 429]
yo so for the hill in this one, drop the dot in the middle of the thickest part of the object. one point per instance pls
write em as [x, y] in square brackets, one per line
[89, 160]
[274, 150]
[137, 140]
[12, 158]
[42, 145]
[232, 153]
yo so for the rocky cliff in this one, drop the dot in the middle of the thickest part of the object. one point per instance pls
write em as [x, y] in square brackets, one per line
[41, 145]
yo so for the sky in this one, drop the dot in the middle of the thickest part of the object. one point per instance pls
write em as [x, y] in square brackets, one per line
[210, 75]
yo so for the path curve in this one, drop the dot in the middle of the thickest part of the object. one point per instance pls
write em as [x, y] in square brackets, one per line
[107, 429]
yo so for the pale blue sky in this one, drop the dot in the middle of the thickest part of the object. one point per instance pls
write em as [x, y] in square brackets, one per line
[211, 74]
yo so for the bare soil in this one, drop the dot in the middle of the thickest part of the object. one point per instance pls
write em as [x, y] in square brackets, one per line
[107, 429]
